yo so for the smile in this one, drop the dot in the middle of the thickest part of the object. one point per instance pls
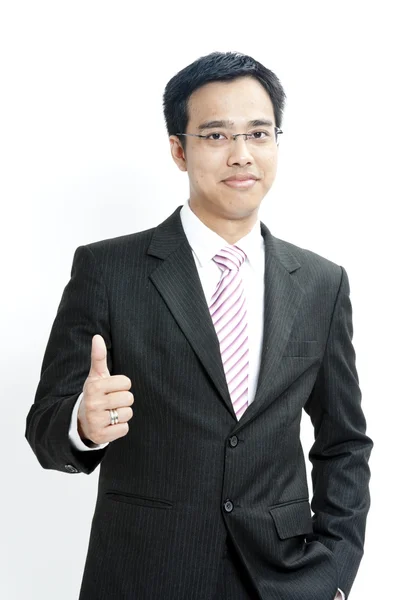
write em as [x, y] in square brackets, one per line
[241, 183]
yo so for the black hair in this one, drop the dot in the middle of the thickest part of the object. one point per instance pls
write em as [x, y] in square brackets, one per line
[217, 66]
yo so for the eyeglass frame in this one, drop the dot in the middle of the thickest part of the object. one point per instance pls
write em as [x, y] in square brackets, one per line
[233, 136]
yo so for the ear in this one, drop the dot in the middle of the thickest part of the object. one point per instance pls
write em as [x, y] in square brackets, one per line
[177, 152]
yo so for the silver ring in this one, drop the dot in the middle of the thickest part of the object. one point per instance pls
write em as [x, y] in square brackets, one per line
[113, 416]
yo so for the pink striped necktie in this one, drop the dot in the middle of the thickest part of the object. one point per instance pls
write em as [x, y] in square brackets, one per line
[229, 315]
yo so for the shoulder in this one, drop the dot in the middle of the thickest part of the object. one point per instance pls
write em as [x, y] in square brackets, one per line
[118, 252]
[305, 255]
[115, 257]
[122, 243]
[312, 268]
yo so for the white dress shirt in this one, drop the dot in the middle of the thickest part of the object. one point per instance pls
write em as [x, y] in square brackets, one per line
[205, 244]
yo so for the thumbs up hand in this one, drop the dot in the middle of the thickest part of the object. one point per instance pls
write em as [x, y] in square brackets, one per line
[101, 393]
[98, 365]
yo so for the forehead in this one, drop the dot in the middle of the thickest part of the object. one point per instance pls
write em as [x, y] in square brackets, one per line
[242, 99]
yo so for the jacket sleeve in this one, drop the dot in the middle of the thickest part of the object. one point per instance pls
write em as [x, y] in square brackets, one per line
[82, 312]
[341, 450]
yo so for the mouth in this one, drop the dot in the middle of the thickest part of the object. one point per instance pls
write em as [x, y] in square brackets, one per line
[240, 183]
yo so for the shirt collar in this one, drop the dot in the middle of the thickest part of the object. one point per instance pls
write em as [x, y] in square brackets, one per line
[205, 242]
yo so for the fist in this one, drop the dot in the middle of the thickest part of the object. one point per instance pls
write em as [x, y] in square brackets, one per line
[101, 393]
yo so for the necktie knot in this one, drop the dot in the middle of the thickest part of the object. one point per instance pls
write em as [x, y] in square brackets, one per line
[230, 257]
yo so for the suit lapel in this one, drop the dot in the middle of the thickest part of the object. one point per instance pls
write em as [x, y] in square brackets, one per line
[282, 299]
[178, 282]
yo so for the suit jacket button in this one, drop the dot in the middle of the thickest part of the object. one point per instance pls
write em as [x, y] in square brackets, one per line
[71, 469]
[233, 441]
[228, 506]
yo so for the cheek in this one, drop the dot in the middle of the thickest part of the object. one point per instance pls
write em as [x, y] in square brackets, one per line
[269, 168]
[204, 174]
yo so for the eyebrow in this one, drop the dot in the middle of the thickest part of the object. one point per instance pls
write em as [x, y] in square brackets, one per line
[231, 124]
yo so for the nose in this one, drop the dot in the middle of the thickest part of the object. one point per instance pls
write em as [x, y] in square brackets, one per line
[239, 154]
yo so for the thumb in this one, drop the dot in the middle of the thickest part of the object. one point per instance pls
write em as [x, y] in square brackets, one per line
[98, 365]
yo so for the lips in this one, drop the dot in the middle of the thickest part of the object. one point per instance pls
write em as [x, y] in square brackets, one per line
[238, 184]
[241, 177]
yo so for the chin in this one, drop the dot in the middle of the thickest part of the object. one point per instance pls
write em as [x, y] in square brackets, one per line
[242, 208]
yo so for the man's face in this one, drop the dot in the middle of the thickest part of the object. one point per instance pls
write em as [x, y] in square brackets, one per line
[210, 162]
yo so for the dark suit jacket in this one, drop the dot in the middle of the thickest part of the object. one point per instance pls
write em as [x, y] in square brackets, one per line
[188, 473]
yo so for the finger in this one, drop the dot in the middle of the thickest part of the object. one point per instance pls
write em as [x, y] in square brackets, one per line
[116, 431]
[109, 434]
[100, 387]
[98, 360]
[118, 399]
[124, 414]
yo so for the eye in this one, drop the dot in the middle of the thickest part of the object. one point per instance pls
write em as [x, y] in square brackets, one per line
[216, 137]
[259, 135]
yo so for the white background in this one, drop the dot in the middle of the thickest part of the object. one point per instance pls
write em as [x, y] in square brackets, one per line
[84, 156]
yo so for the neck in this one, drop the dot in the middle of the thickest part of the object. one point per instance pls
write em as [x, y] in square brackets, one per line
[230, 228]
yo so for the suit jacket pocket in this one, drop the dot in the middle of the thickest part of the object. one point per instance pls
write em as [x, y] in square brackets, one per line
[302, 349]
[292, 519]
[138, 500]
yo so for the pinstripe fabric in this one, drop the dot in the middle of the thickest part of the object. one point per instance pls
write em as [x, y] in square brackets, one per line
[160, 521]
[229, 315]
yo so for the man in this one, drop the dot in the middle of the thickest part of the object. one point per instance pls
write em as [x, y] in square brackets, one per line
[224, 333]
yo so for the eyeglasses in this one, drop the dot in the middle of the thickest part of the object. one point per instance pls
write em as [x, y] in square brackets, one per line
[219, 139]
